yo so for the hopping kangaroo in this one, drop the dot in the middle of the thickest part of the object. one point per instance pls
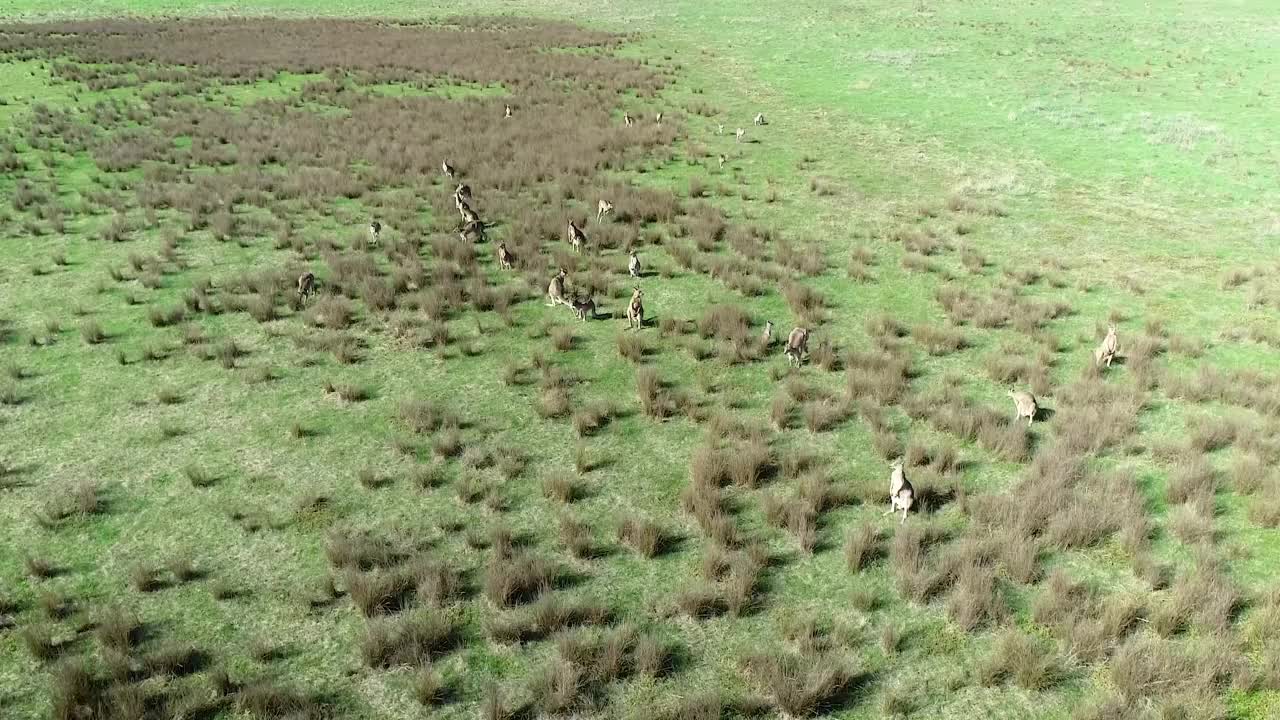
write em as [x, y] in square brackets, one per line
[577, 238]
[555, 291]
[1024, 404]
[1108, 349]
[505, 259]
[375, 232]
[603, 208]
[901, 495]
[635, 311]
[306, 286]
[797, 346]
[633, 265]
[582, 307]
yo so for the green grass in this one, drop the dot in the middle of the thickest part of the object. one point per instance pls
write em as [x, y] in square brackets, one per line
[1129, 142]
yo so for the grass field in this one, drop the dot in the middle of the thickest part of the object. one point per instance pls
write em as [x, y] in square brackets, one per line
[422, 491]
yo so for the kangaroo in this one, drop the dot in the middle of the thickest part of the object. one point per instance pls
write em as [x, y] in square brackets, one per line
[658, 118]
[603, 208]
[627, 119]
[759, 119]
[719, 128]
[1025, 405]
[447, 168]
[1108, 349]
[505, 259]
[468, 215]
[577, 238]
[474, 229]
[582, 307]
[555, 291]
[306, 286]
[738, 134]
[375, 232]
[635, 311]
[506, 113]
[633, 265]
[901, 495]
[722, 160]
[766, 337]
[462, 193]
[797, 346]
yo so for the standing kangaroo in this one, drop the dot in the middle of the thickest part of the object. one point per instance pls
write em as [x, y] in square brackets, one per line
[633, 266]
[1108, 349]
[306, 286]
[472, 229]
[658, 118]
[766, 337]
[738, 134]
[797, 346]
[722, 158]
[759, 119]
[635, 311]
[627, 119]
[506, 113]
[1024, 404]
[505, 259]
[901, 495]
[375, 232]
[555, 291]
[582, 308]
[603, 208]
[447, 168]
[577, 238]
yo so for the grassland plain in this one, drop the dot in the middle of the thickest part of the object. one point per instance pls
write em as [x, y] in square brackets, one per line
[1110, 159]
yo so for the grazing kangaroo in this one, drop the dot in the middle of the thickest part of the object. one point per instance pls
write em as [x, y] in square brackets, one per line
[1025, 405]
[375, 232]
[633, 265]
[766, 337]
[797, 346]
[1108, 349]
[506, 113]
[555, 291]
[627, 119]
[447, 168]
[474, 229]
[577, 238]
[901, 495]
[738, 134]
[722, 159]
[505, 259]
[635, 311]
[306, 286]
[603, 208]
[582, 307]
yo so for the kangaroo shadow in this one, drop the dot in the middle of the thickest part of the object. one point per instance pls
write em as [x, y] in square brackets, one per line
[1044, 414]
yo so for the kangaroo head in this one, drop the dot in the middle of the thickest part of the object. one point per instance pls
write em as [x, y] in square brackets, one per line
[896, 464]
[562, 273]
[1111, 329]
